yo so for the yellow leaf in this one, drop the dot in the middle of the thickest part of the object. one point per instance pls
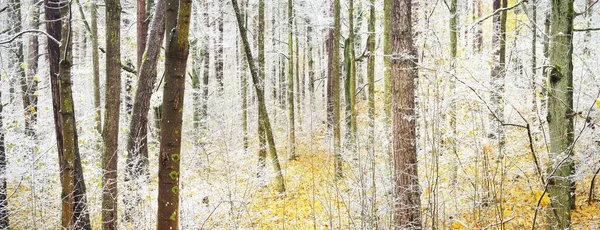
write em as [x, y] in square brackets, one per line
[545, 199]
[458, 226]
[598, 103]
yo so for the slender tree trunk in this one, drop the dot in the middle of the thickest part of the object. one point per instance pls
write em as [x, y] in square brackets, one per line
[371, 71]
[387, 48]
[31, 79]
[350, 81]
[262, 139]
[311, 62]
[291, 145]
[407, 205]
[219, 44]
[137, 139]
[96, 67]
[497, 76]
[206, 69]
[478, 38]
[58, 25]
[110, 131]
[330, 75]
[243, 83]
[335, 91]
[451, 116]
[298, 83]
[259, 88]
[4, 214]
[560, 115]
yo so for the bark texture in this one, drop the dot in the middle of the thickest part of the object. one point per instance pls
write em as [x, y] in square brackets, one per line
[177, 22]
[407, 205]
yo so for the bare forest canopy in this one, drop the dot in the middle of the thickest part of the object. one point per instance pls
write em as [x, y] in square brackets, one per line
[299, 114]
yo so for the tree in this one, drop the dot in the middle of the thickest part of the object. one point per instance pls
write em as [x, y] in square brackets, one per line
[206, 71]
[560, 114]
[258, 87]
[219, 47]
[137, 139]
[387, 47]
[96, 66]
[142, 30]
[74, 213]
[177, 20]
[497, 75]
[262, 139]
[407, 205]
[30, 87]
[350, 80]
[291, 146]
[4, 223]
[110, 131]
[371, 71]
[243, 83]
[335, 89]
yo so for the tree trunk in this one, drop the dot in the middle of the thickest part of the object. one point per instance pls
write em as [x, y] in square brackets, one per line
[4, 215]
[262, 139]
[560, 114]
[219, 44]
[371, 71]
[387, 48]
[96, 67]
[291, 145]
[142, 31]
[330, 75]
[335, 91]
[350, 87]
[243, 83]
[259, 88]
[407, 206]
[497, 76]
[177, 20]
[478, 38]
[74, 211]
[110, 131]
[311, 62]
[137, 139]
[206, 69]
[451, 116]
[30, 104]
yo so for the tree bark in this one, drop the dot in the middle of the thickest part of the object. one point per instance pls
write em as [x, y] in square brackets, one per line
[177, 21]
[335, 91]
[219, 44]
[259, 88]
[137, 139]
[387, 48]
[371, 71]
[291, 145]
[497, 76]
[407, 206]
[58, 25]
[4, 214]
[560, 114]
[142, 31]
[30, 98]
[262, 139]
[96, 67]
[110, 131]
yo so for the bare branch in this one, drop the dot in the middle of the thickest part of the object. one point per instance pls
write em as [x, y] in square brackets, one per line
[29, 31]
